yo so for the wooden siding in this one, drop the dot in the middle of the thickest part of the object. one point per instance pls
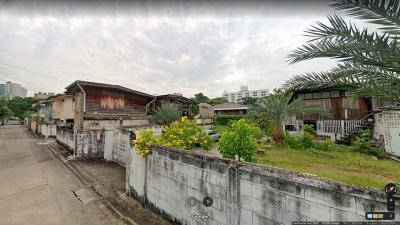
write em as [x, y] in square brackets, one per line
[113, 102]
[341, 108]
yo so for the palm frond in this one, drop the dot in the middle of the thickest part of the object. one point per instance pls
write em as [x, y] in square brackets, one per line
[380, 12]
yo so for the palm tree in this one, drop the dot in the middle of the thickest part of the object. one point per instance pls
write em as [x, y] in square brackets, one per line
[369, 63]
[166, 114]
[280, 107]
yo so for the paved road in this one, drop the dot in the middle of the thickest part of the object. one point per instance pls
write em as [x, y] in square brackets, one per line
[36, 187]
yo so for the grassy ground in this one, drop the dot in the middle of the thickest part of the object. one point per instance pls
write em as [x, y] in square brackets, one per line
[343, 165]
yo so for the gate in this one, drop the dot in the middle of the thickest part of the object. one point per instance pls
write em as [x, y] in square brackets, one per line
[89, 145]
[120, 147]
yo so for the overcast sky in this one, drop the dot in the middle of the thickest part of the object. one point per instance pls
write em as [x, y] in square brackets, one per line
[156, 48]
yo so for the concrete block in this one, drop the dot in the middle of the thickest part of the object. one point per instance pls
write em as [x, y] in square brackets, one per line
[290, 188]
[214, 178]
[270, 196]
[246, 188]
[246, 216]
[340, 215]
[259, 220]
[261, 180]
[366, 205]
[308, 208]
[331, 198]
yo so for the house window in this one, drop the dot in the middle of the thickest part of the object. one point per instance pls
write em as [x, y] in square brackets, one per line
[255, 94]
[247, 94]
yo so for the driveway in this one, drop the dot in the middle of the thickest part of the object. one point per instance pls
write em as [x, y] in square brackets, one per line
[37, 188]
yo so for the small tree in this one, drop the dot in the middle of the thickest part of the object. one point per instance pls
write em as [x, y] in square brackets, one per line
[280, 107]
[238, 142]
[5, 112]
[166, 114]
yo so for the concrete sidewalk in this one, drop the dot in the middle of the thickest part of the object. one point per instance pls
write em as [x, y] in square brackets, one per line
[107, 179]
[37, 188]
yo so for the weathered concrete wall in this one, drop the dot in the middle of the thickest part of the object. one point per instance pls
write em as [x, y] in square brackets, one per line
[48, 130]
[66, 138]
[101, 124]
[243, 193]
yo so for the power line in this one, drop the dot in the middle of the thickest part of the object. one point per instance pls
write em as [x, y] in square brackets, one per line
[21, 68]
[64, 69]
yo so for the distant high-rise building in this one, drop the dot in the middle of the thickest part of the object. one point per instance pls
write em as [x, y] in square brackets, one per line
[11, 90]
[244, 92]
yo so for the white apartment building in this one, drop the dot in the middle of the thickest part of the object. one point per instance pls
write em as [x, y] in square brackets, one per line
[11, 90]
[244, 92]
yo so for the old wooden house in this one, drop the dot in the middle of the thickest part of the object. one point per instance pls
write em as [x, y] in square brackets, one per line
[98, 105]
[184, 104]
[344, 113]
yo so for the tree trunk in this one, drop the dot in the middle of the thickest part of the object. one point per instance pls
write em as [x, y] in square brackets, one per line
[278, 136]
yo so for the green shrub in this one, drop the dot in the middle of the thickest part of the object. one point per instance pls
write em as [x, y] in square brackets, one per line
[362, 145]
[309, 129]
[256, 132]
[238, 142]
[306, 141]
[326, 146]
[226, 120]
[184, 134]
[291, 141]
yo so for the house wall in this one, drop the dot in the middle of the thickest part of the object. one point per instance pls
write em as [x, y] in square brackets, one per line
[63, 108]
[338, 104]
[385, 121]
[243, 193]
[101, 124]
[229, 112]
[109, 101]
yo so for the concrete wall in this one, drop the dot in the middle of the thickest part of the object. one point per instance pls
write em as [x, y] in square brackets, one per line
[48, 130]
[243, 193]
[66, 138]
[101, 124]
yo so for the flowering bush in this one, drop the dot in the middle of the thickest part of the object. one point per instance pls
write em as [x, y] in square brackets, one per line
[185, 134]
[144, 142]
[237, 141]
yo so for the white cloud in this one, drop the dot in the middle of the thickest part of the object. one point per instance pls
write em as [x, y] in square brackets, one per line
[177, 48]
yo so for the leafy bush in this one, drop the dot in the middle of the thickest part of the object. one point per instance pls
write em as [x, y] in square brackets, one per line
[306, 141]
[309, 129]
[184, 134]
[362, 145]
[256, 132]
[237, 141]
[326, 146]
[145, 140]
[226, 120]
[166, 114]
